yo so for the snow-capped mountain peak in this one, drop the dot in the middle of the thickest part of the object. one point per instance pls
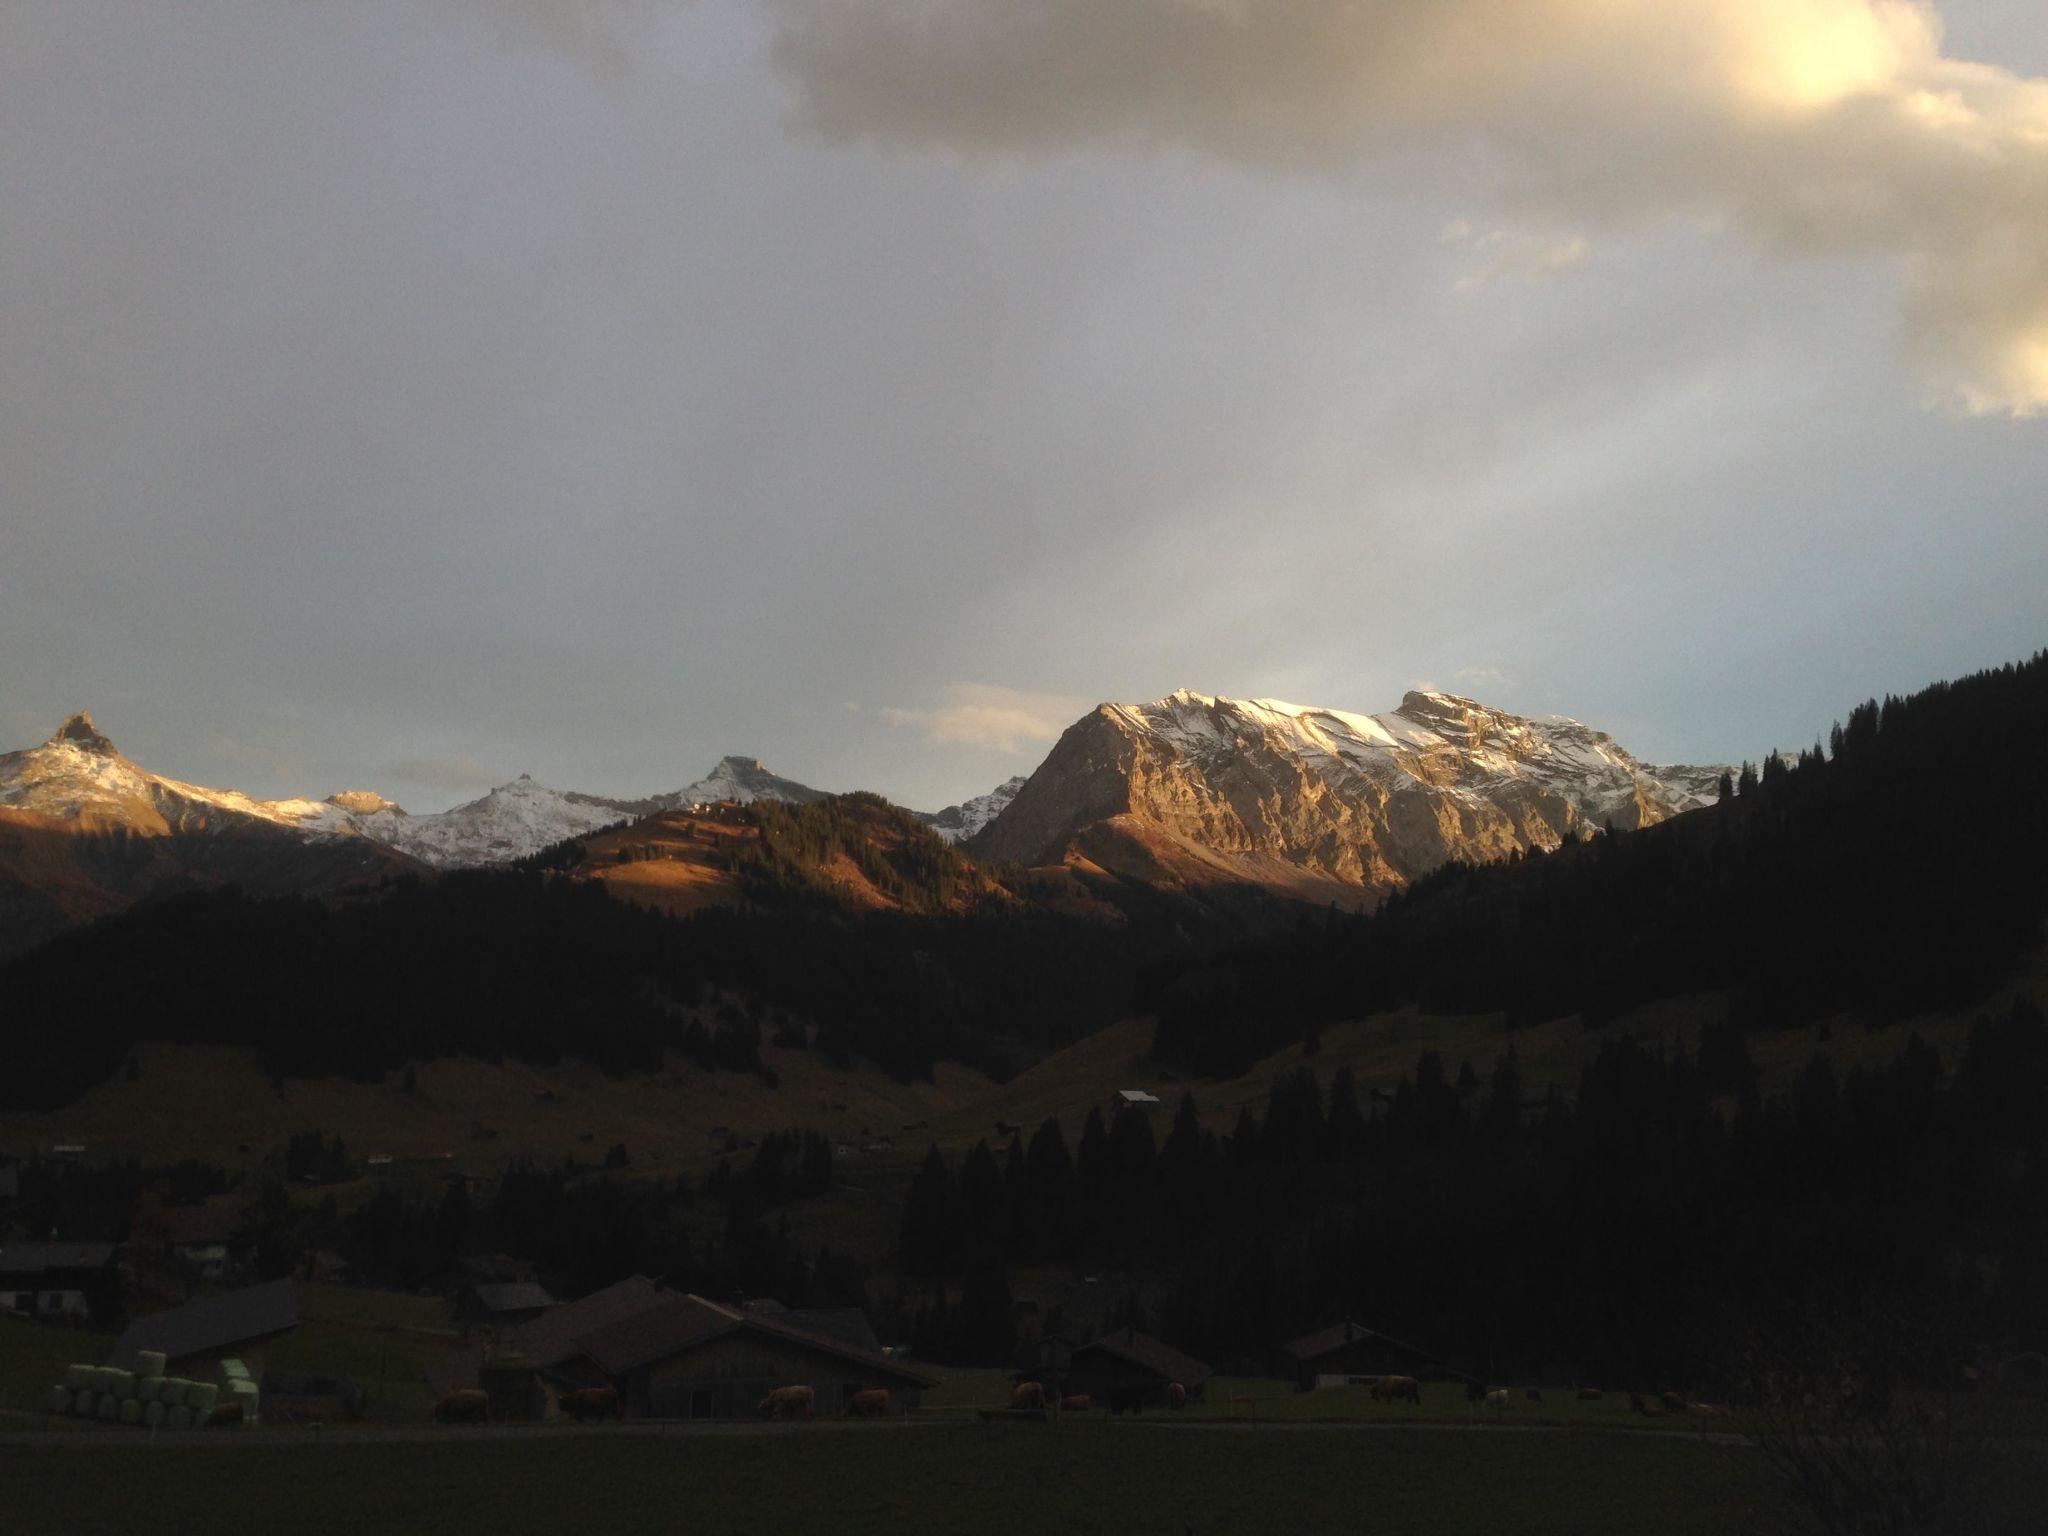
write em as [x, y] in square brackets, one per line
[957, 823]
[1331, 795]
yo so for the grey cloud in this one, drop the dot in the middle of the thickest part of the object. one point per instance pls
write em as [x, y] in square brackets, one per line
[1813, 127]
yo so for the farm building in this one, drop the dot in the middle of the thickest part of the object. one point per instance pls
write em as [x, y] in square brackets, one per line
[673, 1355]
[698, 1359]
[196, 1337]
[1130, 1367]
[210, 1239]
[1347, 1349]
[58, 1279]
[503, 1304]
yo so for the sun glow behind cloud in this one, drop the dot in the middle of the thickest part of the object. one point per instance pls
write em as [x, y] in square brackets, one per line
[1813, 128]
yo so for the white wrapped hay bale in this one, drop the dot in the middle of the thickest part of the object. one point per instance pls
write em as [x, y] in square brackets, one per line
[121, 1383]
[153, 1415]
[233, 1370]
[108, 1408]
[170, 1391]
[151, 1362]
[60, 1399]
[79, 1378]
[200, 1397]
[131, 1411]
[83, 1401]
[149, 1389]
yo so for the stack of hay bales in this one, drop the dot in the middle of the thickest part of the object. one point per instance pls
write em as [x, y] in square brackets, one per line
[240, 1388]
[144, 1396]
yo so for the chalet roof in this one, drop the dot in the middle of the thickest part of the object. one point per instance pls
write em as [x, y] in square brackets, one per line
[39, 1258]
[1315, 1345]
[551, 1339]
[1136, 1096]
[217, 1322]
[683, 1322]
[512, 1296]
[1148, 1354]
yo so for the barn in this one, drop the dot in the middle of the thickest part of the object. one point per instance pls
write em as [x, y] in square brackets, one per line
[1129, 1367]
[502, 1304]
[674, 1355]
[1346, 1349]
[72, 1280]
[196, 1337]
[691, 1358]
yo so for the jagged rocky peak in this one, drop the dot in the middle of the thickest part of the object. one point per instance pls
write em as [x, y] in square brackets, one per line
[79, 731]
[1281, 791]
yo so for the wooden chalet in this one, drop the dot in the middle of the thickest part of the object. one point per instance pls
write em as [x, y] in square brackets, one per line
[1346, 1349]
[1129, 1367]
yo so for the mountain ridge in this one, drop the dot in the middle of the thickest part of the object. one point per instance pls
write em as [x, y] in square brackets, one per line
[1364, 803]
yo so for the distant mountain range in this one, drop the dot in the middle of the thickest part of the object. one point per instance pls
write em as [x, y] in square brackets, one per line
[1189, 790]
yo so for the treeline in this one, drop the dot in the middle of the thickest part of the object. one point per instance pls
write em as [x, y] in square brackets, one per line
[1899, 868]
[893, 850]
[1636, 1231]
[525, 965]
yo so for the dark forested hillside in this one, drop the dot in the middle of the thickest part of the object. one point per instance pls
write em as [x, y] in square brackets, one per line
[1640, 1227]
[1901, 867]
[538, 967]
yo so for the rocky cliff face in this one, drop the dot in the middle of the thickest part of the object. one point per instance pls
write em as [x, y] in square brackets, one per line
[1318, 799]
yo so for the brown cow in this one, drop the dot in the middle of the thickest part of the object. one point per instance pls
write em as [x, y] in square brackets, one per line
[787, 1403]
[871, 1403]
[1394, 1388]
[593, 1403]
[465, 1407]
[1028, 1394]
[1589, 1394]
[224, 1416]
[1647, 1407]
[1075, 1404]
[1496, 1397]
[1176, 1395]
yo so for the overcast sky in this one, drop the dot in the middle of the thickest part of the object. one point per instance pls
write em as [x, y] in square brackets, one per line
[405, 396]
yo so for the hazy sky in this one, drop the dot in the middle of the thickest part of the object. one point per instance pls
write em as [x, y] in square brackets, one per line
[404, 396]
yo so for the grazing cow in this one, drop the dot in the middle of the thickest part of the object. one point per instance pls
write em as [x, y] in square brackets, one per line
[1394, 1388]
[1673, 1403]
[1176, 1395]
[1028, 1394]
[1075, 1404]
[224, 1416]
[588, 1403]
[787, 1403]
[869, 1404]
[464, 1407]
[1648, 1408]
[1496, 1398]
[1127, 1400]
[1589, 1394]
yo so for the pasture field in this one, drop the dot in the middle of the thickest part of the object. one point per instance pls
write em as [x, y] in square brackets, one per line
[1170, 1479]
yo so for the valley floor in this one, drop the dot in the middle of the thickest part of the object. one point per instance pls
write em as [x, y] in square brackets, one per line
[1122, 1477]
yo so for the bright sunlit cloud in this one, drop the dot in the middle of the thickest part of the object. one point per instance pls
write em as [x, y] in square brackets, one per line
[1814, 128]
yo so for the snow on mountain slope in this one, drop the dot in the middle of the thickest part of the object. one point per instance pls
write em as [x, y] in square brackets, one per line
[78, 774]
[957, 823]
[744, 780]
[1366, 800]
[510, 822]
